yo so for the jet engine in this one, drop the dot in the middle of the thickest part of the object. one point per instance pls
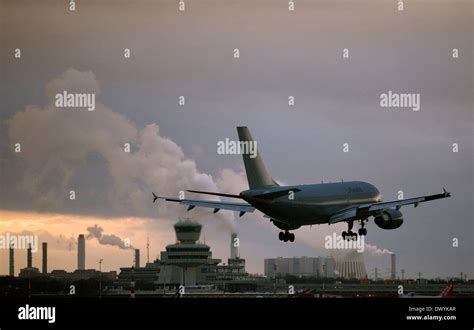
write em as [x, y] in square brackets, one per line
[389, 219]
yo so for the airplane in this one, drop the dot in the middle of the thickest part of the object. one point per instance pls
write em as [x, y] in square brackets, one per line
[445, 293]
[290, 207]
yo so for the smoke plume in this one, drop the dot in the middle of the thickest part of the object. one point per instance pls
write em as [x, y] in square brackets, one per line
[56, 163]
[374, 250]
[96, 232]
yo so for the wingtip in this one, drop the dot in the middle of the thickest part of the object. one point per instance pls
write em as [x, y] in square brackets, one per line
[446, 193]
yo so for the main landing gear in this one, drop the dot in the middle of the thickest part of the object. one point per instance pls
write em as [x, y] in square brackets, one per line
[351, 235]
[286, 236]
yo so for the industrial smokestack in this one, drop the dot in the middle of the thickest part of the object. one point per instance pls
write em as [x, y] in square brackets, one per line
[81, 252]
[393, 268]
[234, 246]
[29, 257]
[137, 258]
[12, 261]
[45, 258]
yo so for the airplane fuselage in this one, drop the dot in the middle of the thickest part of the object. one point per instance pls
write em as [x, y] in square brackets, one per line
[313, 203]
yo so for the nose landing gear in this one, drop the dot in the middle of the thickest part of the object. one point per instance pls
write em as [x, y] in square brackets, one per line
[286, 236]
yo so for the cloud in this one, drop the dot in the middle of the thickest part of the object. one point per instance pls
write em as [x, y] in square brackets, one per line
[57, 145]
[231, 181]
[73, 80]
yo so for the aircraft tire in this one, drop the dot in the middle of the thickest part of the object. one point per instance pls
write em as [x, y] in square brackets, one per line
[291, 237]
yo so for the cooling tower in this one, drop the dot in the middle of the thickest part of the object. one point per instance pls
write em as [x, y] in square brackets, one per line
[350, 264]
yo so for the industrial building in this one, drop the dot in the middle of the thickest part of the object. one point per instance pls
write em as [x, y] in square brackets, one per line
[321, 267]
[351, 269]
[188, 261]
[350, 264]
[45, 258]
[12, 261]
[80, 274]
[29, 270]
[81, 252]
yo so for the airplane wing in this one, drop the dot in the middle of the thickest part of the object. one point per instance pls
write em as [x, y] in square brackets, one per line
[216, 205]
[366, 210]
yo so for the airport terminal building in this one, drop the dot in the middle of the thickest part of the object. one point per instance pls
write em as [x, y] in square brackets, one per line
[188, 261]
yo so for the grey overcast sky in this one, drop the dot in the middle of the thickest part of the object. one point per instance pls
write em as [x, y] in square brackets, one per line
[282, 53]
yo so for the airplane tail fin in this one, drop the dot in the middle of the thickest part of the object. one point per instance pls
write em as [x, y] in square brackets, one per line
[257, 174]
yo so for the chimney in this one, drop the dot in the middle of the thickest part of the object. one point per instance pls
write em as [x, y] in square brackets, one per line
[137, 258]
[45, 257]
[29, 257]
[393, 268]
[12, 261]
[234, 246]
[81, 252]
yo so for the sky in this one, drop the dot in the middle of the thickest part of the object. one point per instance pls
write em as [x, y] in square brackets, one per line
[190, 53]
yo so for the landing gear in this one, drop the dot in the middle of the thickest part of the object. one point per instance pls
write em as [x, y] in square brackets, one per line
[286, 236]
[349, 234]
[362, 230]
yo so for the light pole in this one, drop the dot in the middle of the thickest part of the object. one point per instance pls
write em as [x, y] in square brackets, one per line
[325, 273]
[100, 277]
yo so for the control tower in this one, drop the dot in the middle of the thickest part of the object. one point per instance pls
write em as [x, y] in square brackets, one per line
[188, 254]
